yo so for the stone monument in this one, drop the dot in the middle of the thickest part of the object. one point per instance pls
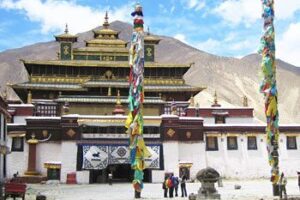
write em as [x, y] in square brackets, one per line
[207, 177]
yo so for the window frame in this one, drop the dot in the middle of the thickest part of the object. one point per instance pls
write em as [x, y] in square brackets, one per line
[215, 138]
[248, 142]
[236, 143]
[288, 147]
[13, 144]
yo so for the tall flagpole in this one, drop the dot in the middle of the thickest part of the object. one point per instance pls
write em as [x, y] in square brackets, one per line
[135, 122]
[269, 89]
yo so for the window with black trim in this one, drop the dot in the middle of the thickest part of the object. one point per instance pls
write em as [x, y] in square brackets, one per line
[212, 143]
[232, 143]
[291, 142]
[220, 119]
[17, 144]
[252, 143]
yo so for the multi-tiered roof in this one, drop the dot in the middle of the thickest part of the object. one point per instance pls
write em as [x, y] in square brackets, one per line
[93, 74]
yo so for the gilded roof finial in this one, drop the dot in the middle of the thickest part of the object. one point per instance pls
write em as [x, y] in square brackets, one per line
[245, 101]
[216, 104]
[192, 102]
[118, 98]
[109, 92]
[66, 29]
[106, 24]
[5, 94]
[29, 97]
[215, 97]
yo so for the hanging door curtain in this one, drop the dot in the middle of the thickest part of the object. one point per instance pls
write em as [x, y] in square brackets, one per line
[100, 156]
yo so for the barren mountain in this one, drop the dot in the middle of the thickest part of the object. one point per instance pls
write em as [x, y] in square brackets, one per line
[232, 78]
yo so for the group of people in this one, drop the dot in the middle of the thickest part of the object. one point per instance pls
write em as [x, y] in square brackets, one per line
[171, 184]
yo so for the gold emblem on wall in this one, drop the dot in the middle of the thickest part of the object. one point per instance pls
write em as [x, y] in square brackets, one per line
[66, 50]
[70, 133]
[45, 133]
[170, 132]
[149, 51]
[188, 134]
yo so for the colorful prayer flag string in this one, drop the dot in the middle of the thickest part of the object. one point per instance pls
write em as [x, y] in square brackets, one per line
[268, 87]
[134, 122]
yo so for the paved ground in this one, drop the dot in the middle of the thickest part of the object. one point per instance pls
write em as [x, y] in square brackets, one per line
[251, 190]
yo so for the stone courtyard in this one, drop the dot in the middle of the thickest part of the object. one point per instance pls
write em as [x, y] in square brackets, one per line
[252, 189]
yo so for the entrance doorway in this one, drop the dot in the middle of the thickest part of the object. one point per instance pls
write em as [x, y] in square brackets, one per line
[121, 173]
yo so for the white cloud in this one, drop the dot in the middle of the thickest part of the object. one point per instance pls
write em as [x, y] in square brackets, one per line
[248, 11]
[54, 14]
[210, 45]
[231, 45]
[195, 4]
[180, 37]
[288, 48]
[241, 11]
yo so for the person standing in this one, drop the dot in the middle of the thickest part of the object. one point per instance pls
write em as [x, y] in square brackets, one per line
[110, 178]
[171, 186]
[165, 187]
[298, 179]
[282, 186]
[176, 183]
[183, 186]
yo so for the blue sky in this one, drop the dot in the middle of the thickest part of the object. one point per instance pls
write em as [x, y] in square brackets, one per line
[222, 27]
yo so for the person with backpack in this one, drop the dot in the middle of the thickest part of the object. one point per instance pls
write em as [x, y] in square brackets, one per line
[165, 187]
[183, 186]
[171, 185]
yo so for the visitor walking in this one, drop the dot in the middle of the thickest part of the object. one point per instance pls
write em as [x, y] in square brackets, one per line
[165, 187]
[183, 186]
[282, 186]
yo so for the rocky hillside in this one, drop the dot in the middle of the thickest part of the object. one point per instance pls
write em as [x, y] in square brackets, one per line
[232, 78]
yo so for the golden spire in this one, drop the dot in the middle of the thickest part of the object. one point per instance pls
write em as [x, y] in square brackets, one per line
[106, 24]
[29, 97]
[245, 101]
[215, 98]
[109, 92]
[118, 98]
[148, 30]
[192, 102]
[66, 29]
[5, 94]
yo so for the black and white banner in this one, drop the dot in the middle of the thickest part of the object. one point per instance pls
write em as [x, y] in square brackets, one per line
[99, 156]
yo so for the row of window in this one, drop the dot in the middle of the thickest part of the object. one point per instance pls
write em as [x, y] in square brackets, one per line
[232, 144]
[94, 71]
[211, 143]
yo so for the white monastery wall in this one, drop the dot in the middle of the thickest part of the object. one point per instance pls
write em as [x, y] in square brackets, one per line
[69, 159]
[289, 159]
[239, 120]
[16, 161]
[193, 153]
[231, 120]
[243, 163]
[45, 152]
[20, 119]
[171, 157]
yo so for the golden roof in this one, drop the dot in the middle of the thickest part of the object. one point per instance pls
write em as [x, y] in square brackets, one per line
[106, 42]
[105, 32]
[151, 39]
[66, 35]
[93, 63]
[100, 49]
